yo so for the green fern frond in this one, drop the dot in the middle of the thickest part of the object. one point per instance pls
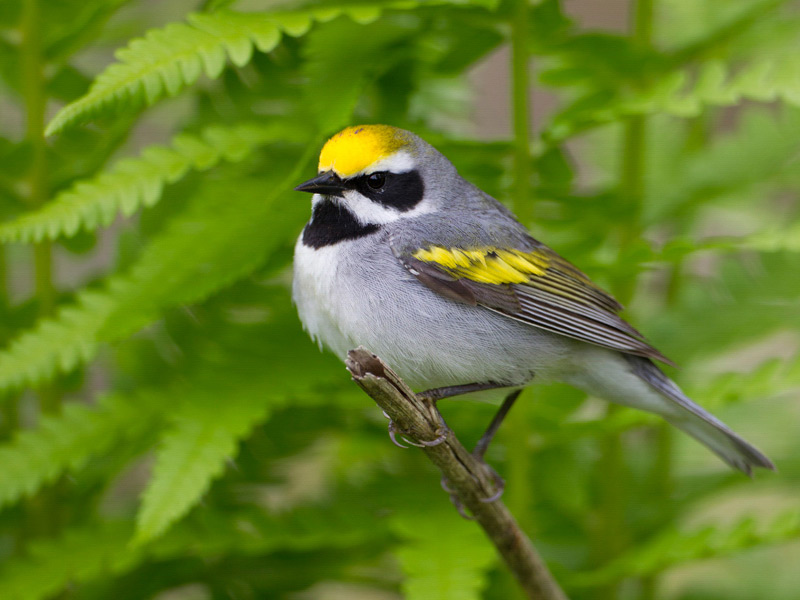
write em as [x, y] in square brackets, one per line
[136, 182]
[57, 344]
[206, 432]
[221, 404]
[677, 547]
[166, 60]
[65, 442]
[256, 531]
[775, 239]
[686, 92]
[770, 378]
[93, 552]
[214, 242]
[218, 240]
[762, 147]
[442, 557]
[716, 83]
[79, 555]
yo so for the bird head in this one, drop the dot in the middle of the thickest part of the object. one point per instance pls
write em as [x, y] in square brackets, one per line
[380, 174]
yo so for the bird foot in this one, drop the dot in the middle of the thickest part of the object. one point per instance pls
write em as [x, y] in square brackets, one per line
[499, 483]
[455, 500]
[393, 431]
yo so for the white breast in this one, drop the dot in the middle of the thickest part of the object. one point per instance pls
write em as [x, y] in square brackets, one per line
[315, 293]
[356, 293]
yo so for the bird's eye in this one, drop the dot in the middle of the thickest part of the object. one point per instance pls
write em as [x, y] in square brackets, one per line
[376, 181]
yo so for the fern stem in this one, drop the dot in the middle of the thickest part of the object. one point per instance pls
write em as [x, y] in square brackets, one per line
[633, 150]
[661, 492]
[613, 535]
[43, 509]
[3, 275]
[662, 479]
[632, 188]
[521, 109]
[35, 103]
[518, 432]
[520, 498]
[643, 22]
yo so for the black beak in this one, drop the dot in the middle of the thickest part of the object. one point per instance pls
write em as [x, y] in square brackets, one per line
[326, 183]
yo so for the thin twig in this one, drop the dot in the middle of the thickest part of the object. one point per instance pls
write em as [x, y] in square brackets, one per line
[419, 420]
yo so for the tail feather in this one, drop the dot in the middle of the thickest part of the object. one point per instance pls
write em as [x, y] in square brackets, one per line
[723, 442]
[699, 424]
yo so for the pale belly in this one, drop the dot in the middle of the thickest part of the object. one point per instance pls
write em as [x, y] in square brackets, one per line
[356, 293]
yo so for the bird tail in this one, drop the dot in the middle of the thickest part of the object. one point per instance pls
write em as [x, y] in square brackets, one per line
[722, 441]
[698, 423]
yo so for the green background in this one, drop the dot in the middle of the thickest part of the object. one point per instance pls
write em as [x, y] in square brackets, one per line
[168, 431]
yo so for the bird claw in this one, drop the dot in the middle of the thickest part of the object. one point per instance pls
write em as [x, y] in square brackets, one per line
[499, 483]
[501, 487]
[393, 432]
[460, 508]
[392, 436]
[438, 440]
[446, 486]
[420, 444]
[455, 500]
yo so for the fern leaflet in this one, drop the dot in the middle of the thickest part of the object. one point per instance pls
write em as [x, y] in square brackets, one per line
[770, 378]
[210, 245]
[61, 343]
[778, 239]
[79, 555]
[686, 92]
[166, 60]
[761, 147]
[767, 79]
[136, 182]
[676, 547]
[206, 432]
[92, 552]
[442, 557]
[64, 443]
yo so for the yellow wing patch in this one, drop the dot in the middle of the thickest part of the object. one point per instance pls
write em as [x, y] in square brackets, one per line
[354, 149]
[487, 265]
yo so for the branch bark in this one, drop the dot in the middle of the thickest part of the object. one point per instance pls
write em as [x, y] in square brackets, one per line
[466, 475]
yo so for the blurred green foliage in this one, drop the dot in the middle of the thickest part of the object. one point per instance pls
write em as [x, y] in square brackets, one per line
[168, 431]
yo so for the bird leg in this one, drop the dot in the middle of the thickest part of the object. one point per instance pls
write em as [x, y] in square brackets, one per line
[457, 390]
[437, 394]
[486, 439]
[483, 443]
[488, 435]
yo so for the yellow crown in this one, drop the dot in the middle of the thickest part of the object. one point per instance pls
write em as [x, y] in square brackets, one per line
[354, 149]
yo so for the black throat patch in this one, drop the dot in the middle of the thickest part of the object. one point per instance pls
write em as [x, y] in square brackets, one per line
[331, 224]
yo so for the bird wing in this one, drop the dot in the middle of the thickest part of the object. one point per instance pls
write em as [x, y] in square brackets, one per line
[534, 286]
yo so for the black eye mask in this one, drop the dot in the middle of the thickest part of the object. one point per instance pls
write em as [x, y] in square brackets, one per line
[402, 191]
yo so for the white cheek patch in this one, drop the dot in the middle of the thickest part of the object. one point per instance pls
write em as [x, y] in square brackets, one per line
[368, 212]
[363, 209]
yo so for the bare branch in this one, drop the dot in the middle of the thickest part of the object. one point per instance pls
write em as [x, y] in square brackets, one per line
[465, 474]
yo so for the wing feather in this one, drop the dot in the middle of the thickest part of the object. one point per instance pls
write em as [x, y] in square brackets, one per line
[534, 286]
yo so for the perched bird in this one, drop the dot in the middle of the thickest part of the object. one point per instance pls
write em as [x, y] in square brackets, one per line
[407, 258]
